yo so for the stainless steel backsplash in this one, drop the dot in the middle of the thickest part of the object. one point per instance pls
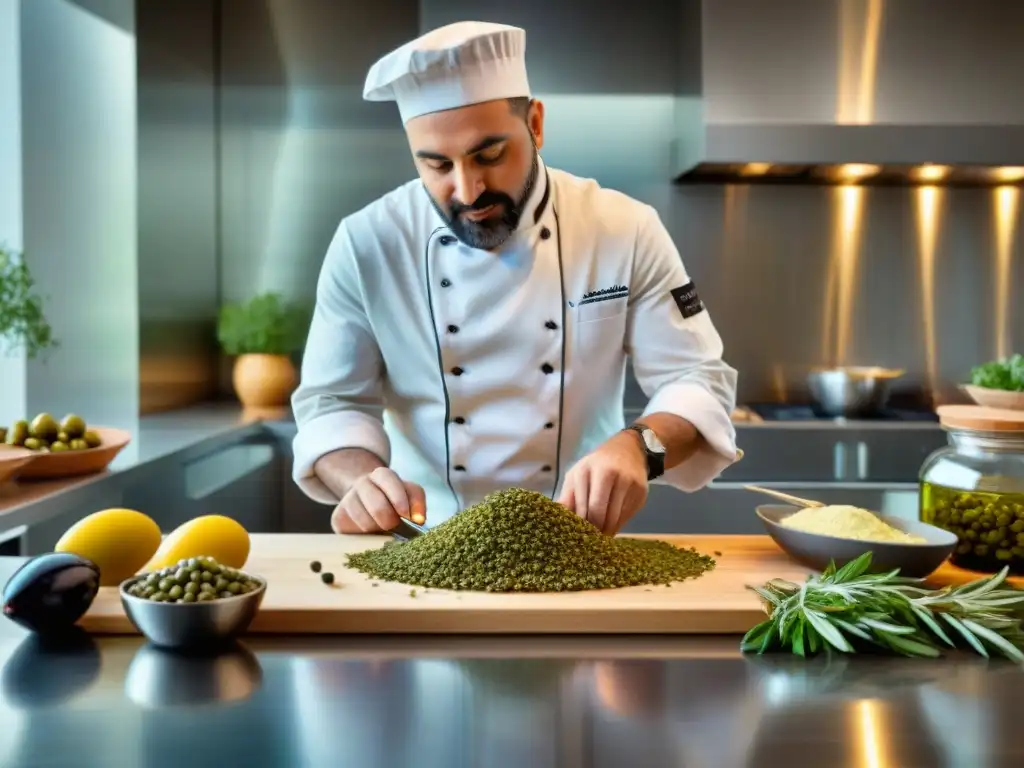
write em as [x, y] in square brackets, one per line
[920, 279]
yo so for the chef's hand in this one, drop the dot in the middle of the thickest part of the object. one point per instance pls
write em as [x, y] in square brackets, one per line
[608, 486]
[375, 502]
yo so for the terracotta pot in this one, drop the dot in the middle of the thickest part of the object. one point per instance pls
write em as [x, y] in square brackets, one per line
[264, 381]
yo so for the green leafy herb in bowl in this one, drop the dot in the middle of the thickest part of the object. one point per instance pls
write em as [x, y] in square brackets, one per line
[998, 383]
[1006, 374]
[849, 609]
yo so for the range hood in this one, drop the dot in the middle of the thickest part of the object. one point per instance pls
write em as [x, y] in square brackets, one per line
[873, 91]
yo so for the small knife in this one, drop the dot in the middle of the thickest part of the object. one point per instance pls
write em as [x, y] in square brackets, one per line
[407, 529]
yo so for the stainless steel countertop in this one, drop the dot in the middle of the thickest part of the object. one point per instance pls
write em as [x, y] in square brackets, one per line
[476, 701]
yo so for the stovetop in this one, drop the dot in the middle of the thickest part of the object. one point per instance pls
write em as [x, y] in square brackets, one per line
[797, 412]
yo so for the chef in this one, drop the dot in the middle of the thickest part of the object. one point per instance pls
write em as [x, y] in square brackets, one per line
[472, 326]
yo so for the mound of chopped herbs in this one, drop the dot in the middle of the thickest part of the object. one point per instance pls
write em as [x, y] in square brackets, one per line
[521, 541]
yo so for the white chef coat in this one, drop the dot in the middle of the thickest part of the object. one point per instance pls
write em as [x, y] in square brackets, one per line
[470, 371]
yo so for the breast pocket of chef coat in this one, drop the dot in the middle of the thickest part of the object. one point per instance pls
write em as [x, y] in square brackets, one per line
[600, 327]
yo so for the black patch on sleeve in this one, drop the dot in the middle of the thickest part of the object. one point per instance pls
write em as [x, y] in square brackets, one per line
[687, 300]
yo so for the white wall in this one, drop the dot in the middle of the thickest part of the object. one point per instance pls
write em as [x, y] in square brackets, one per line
[12, 367]
[78, 77]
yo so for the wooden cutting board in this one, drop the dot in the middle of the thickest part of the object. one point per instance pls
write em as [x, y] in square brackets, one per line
[297, 602]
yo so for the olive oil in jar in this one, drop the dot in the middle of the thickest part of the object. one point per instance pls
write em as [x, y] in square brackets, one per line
[989, 525]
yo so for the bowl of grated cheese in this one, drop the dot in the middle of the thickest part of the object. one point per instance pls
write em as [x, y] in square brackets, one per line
[814, 536]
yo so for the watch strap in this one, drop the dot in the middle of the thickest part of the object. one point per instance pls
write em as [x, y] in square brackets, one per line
[655, 460]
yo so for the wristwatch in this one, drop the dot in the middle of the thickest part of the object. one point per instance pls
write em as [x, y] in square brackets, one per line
[653, 448]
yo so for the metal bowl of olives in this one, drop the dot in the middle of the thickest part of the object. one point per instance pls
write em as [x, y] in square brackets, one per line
[194, 604]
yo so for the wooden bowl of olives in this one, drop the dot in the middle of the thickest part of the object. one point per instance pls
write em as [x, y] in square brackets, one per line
[194, 604]
[64, 448]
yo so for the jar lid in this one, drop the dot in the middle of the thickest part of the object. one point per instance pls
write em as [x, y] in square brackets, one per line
[980, 418]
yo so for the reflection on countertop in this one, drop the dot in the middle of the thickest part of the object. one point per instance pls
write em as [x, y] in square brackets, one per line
[484, 700]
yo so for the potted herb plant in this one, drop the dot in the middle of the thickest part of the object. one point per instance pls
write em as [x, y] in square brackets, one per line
[263, 333]
[23, 323]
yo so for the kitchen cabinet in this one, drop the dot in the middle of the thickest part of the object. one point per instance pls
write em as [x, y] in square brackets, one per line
[240, 480]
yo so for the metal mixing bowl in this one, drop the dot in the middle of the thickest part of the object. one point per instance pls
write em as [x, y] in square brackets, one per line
[854, 391]
[193, 626]
[817, 550]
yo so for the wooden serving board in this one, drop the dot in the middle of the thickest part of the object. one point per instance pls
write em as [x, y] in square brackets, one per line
[297, 602]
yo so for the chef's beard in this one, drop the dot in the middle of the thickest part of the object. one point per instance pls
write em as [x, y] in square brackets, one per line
[492, 232]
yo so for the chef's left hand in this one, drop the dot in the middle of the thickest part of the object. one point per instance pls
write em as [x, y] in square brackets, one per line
[609, 485]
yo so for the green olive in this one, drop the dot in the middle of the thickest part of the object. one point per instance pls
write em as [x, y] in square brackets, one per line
[73, 425]
[57, 445]
[92, 439]
[78, 444]
[17, 434]
[44, 426]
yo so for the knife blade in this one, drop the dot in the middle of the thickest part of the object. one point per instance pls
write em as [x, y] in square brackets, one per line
[406, 530]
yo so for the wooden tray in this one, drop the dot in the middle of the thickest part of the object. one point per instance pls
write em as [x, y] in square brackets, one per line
[12, 460]
[48, 466]
[298, 602]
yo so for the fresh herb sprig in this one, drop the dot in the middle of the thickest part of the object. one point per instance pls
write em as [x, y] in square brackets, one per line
[23, 322]
[846, 609]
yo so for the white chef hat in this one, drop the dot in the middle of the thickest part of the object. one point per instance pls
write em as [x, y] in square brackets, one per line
[453, 66]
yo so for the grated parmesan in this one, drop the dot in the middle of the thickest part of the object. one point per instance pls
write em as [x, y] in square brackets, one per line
[847, 522]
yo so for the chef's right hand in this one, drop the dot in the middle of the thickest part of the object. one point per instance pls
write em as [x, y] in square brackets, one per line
[375, 502]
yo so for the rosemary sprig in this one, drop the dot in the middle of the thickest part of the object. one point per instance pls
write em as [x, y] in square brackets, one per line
[847, 609]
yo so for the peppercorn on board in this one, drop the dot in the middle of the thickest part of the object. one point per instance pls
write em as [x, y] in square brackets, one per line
[298, 602]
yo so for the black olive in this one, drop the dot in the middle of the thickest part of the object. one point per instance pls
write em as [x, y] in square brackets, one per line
[51, 591]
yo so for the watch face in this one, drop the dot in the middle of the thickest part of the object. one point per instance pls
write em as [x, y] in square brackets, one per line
[652, 442]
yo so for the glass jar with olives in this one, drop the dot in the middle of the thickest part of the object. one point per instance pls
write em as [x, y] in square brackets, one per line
[974, 487]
